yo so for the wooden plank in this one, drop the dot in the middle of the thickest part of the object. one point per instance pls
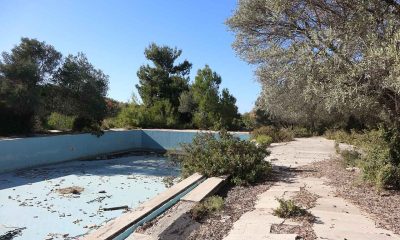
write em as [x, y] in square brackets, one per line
[118, 225]
[204, 189]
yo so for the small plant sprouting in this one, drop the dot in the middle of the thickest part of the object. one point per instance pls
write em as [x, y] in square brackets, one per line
[288, 209]
[208, 206]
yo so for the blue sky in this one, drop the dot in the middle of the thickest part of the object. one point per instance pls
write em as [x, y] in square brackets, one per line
[113, 35]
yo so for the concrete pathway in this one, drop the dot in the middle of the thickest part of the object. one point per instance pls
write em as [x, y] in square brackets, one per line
[336, 219]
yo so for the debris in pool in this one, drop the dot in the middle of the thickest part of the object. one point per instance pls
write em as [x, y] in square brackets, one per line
[99, 199]
[51, 236]
[70, 190]
[115, 208]
[12, 234]
[77, 221]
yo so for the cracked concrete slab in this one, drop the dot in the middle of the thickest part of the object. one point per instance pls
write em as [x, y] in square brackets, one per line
[335, 217]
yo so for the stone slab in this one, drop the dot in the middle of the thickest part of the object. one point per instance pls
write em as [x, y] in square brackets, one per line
[204, 189]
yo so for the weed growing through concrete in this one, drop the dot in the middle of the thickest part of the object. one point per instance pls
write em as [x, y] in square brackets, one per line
[208, 206]
[288, 209]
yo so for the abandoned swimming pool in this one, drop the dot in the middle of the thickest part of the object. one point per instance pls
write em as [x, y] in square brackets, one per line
[31, 197]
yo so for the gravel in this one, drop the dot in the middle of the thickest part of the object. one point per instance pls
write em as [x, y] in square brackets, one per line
[238, 200]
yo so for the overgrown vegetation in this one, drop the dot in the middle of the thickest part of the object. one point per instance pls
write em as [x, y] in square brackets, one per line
[263, 140]
[288, 209]
[376, 163]
[60, 121]
[208, 206]
[41, 89]
[36, 81]
[350, 157]
[317, 64]
[224, 154]
[171, 101]
[277, 134]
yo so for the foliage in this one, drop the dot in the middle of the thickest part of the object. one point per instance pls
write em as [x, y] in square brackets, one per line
[82, 91]
[23, 73]
[350, 157]
[60, 122]
[277, 134]
[319, 61]
[208, 206]
[248, 121]
[301, 132]
[288, 209]
[205, 90]
[224, 154]
[264, 140]
[36, 81]
[375, 162]
[164, 80]
[166, 85]
[160, 115]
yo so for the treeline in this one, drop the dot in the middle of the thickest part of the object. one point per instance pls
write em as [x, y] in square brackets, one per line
[40, 89]
[329, 65]
[36, 80]
[170, 100]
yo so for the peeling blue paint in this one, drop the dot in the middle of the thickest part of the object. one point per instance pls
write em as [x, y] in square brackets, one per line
[30, 152]
[29, 196]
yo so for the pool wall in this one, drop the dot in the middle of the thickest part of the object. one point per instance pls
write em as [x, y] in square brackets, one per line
[19, 153]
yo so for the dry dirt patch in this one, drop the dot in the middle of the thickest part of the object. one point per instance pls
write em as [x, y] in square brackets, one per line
[70, 190]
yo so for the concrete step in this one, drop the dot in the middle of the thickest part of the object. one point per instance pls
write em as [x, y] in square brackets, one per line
[204, 189]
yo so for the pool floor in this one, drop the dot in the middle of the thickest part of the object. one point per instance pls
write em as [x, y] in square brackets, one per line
[30, 198]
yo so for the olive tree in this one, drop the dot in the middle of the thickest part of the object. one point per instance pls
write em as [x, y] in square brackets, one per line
[342, 54]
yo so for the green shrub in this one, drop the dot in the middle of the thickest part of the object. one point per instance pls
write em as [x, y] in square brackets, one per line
[376, 162]
[264, 140]
[301, 132]
[350, 157]
[208, 206]
[224, 154]
[109, 123]
[288, 209]
[59, 121]
[160, 115]
[277, 134]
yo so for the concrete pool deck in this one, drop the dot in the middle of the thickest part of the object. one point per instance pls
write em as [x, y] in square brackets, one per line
[29, 198]
[336, 218]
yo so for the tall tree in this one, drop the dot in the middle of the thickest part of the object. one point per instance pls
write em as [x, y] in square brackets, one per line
[23, 74]
[165, 80]
[228, 110]
[342, 55]
[205, 90]
[82, 91]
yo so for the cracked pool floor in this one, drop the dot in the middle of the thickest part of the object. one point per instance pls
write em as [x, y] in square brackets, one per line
[29, 198]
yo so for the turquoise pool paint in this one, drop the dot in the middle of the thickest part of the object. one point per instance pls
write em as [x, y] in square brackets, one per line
[35, 151]
[29, 198]
[160, 139]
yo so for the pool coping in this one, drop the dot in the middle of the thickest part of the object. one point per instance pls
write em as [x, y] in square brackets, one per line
[120, 224]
